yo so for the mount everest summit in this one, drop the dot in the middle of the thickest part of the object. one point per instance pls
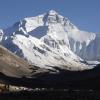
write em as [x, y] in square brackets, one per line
[51, 40]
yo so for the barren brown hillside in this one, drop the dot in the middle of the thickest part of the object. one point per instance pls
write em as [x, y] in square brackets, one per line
[12, 65]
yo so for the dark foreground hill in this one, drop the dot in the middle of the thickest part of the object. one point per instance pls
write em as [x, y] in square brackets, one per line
[52, 95]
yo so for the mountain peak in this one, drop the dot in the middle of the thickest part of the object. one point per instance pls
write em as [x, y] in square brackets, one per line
[52, 12]
[53, 17]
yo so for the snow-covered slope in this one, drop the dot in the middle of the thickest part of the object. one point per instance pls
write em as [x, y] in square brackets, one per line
[50, 40]
[1, 34]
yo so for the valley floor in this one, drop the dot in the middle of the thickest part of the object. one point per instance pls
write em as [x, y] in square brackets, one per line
[50, 94]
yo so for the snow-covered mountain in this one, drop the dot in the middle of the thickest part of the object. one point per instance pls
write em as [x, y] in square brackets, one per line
[51, 40]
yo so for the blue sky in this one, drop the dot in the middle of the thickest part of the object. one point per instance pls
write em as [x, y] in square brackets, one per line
[85, 14]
